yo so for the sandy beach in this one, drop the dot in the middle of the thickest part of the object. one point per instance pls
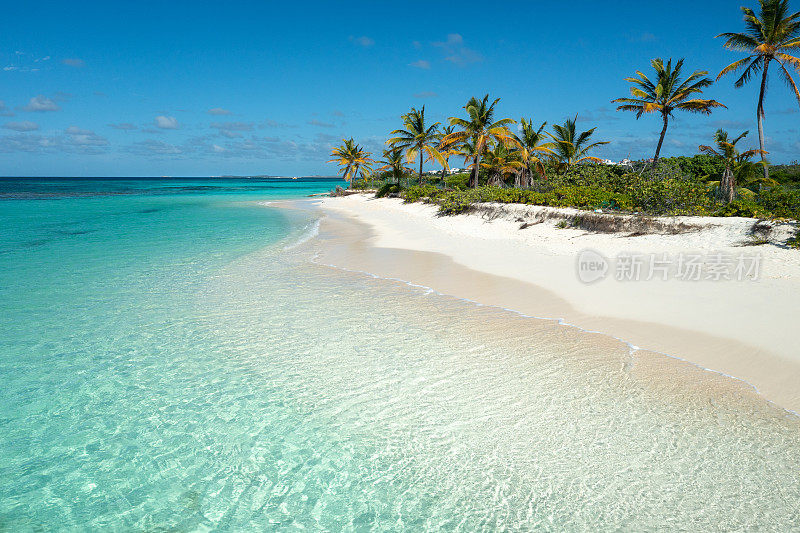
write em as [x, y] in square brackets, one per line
[734, 315]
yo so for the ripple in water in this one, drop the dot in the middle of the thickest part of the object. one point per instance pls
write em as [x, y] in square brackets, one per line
[280, 394]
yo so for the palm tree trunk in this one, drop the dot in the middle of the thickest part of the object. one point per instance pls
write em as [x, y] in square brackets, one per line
[474, 178]
[760, 114]
[661, 139]
[420, 167]
[353, 177]
[346, 172]
[728, 187]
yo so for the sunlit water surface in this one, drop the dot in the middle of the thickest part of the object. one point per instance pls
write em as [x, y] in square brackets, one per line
[170, 360]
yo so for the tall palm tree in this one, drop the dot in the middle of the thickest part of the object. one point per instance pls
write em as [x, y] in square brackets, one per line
[480, 129]
[768, 37]
[571, 147]
[353, 159]
[393, 162]
[667, 93]
[501, 161]
[532, 147]
[735, 162]
[417, 139]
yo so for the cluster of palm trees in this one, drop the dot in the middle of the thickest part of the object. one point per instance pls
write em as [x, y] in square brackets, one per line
[490, 145]
[484, 143]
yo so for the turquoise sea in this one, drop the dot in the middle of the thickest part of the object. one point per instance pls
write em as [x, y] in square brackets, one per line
[173, 358]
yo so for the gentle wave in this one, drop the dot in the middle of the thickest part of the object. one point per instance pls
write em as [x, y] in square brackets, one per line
[309, 232]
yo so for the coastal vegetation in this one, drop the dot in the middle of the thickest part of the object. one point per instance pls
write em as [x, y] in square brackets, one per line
[559, 166]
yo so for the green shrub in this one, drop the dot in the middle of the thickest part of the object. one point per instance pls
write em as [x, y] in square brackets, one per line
[664, 190]
[671, 196]
[361, 185]
[388, 188]
[416, 192]
[780, 202]
[741, 207]
[457, 181]
[454, 203]
[787, 175]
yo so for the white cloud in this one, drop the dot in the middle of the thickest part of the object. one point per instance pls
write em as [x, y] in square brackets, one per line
[425, 65]
[456, 51]
[166, 123]
[41, 104]
[362, 41]
[74, 62]
[25, 125]
[218, 111]
[4, 111]
[217, 148]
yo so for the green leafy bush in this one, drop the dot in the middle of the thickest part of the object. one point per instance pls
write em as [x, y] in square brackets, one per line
[416, 192]
[787, 175]
[741, 207]
[673, 187]
[388, 188]
[780, 202]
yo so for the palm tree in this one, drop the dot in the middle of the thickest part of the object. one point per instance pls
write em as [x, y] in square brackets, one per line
[736, 163]
[353, 159]
[480, 129]
[393, 162]
[768, 37]
[531, 147]
[417, 138]
[571, 147]
[446, 148]
[501, 161]
[668, 93]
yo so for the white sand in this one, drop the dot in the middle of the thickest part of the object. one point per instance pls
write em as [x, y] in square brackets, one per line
[747, 329]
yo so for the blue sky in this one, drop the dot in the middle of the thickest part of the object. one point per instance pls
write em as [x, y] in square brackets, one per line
[201, 88]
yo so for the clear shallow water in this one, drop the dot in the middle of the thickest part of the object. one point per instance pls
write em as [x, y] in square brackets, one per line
[168, 364]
